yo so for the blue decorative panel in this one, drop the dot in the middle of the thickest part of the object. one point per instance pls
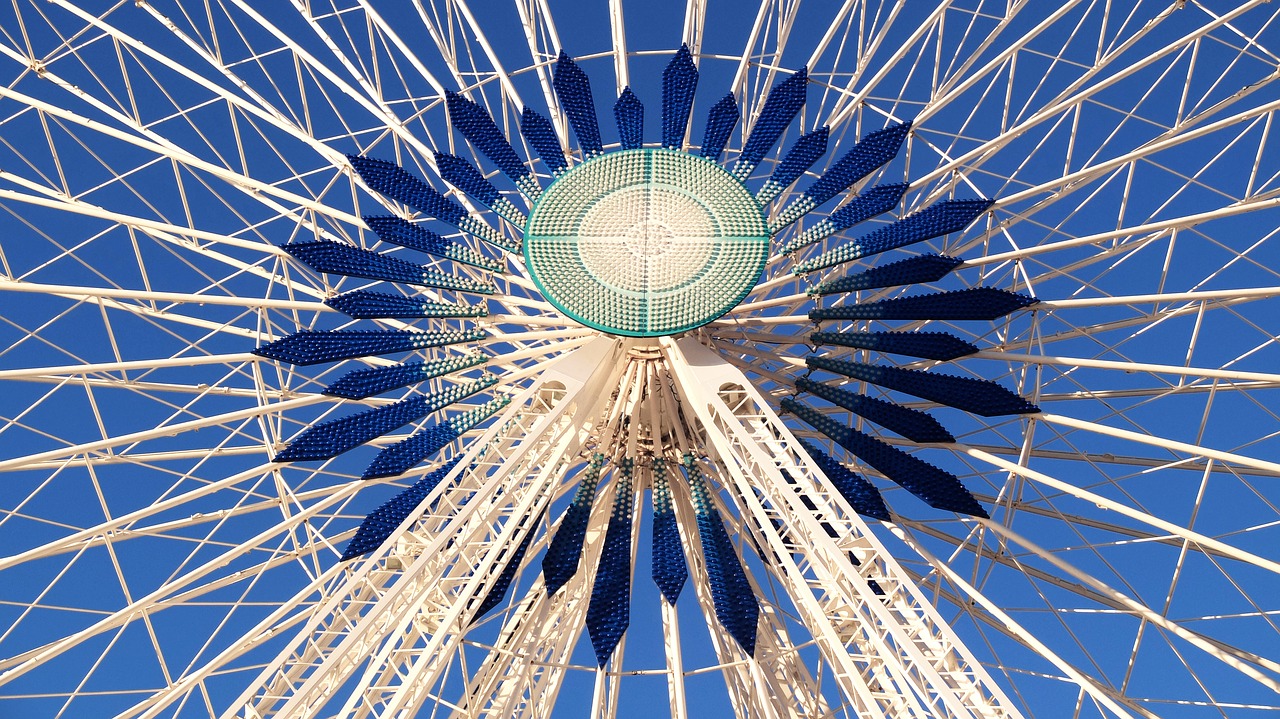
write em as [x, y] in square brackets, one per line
[930, 345]
[798, 159]
[913, 424]
[329, 439]
[313, 347]
[363, 304]
[381, 522]
[464, 176]
[869, 203]
[861, 160]
[669, 570]
[403, 455]
[542, 136]
[399, 231]
[720, 122]
[363, 383]
[913, 270]
[609, 612]
[560, 562]
[573, 89]
[731, 594]
[629, 114]
[978, 396]
[340, 259]
[475, 124]
[936, 487]
[390, 179]
[857, 491]
[780, 108]
[977, 303]
[933, 221]
[502, 582]
[679, 82]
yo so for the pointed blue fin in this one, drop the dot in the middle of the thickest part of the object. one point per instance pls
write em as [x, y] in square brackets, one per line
[856, 490]
[475, 124]
[938, 488]
[731, 594]
[399, 231]
[391, 180]
[869, 203]
[363, 383]
[679, 83]
[913, 270]
[720, 122]
[340, 259]
[780, 108]
[464, 176]
[403, 455]
[573, 89]
[933, 221]
[364, 304]
[975, 303]
[564, 553]
[329, 439]
[510, 565]
[669, 570]
[314, 346]
[381, 522]
[913, 424]
[609, 613]
[542, 136]
[929, 345]
[629, 114]
[865, 157]
[795, 163]
[979, 396]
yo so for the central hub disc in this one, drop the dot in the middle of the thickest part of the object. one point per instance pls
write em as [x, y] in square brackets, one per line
[646, 242]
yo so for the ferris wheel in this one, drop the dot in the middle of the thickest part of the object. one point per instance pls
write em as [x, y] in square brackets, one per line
[451, 359]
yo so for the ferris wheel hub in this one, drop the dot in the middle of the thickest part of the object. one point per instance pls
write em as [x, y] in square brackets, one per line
[646, 242]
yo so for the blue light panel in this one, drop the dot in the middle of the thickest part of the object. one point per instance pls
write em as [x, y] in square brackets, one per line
[381, 522]
[573, 89]
[979, 396]
[560, 562]
[363, 383]
[975, 303]
[403, 455]
[856, 490]
[364, 304]
[399, 231]
[913, 270]
[933, 221]
[720, 122]
[475, 124]
[679, 82]
[629, 114]
[929, 345]
[609, 612]
[913, 424]
[542, 136]
[313, 347]
[341, 259]
[939, 489]
[780, 108]
[669, 570]
[731, 594]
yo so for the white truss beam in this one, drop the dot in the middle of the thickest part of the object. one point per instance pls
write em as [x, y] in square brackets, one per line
[897, 636]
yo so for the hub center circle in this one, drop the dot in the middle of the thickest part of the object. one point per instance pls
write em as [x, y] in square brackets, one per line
[646, 242]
